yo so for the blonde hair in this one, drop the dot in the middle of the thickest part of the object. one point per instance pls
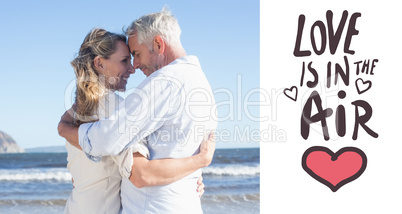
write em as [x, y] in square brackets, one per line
[90, 83]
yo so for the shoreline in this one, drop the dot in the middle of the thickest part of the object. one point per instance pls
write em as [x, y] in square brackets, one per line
[211, 204]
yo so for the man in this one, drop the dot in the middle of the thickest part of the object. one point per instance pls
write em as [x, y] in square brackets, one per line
[171, 108]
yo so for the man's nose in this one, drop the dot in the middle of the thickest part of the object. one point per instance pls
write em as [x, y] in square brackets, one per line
[136, 63]
[131, 69]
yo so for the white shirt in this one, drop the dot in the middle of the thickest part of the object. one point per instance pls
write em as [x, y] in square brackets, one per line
[174, 109]
[97, 185]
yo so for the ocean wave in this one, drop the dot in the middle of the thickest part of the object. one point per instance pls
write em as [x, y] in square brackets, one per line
[18, 202]
[62, 174]
[225, 199]
[233, 170]
[37, 174]
[242, 204]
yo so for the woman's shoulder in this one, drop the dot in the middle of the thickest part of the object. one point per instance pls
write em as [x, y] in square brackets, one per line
[109, 104]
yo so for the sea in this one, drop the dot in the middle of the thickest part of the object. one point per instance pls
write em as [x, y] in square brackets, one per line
[41, 183]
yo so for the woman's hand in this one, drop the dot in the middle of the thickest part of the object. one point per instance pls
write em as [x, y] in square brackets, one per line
[200, 187]
[207, 149]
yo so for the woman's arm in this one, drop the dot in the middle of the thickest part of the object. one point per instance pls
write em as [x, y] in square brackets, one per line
[165, 171]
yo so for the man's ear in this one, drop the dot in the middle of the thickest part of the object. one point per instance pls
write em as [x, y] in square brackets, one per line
[98, 63]
[158, 44]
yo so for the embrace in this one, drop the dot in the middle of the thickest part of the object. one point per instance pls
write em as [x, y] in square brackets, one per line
[144, 153]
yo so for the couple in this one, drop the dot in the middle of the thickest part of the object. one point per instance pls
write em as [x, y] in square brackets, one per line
[145, 150]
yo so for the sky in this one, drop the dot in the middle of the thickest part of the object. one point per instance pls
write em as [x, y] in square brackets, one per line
[40, 38]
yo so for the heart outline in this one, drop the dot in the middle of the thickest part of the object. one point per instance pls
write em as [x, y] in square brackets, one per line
[364, 83]
[291, 90]
[334, 157]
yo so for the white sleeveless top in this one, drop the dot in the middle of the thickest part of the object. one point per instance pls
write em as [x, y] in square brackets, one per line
[97, 184]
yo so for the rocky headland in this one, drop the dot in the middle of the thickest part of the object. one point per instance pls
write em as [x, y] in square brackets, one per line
[8, 144]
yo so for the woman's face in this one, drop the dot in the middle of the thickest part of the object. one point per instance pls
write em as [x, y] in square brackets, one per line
[117, 68]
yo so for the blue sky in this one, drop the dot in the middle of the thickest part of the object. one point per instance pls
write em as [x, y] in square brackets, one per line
[40, 38]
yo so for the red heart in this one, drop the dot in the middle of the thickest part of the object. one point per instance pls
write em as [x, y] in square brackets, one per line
[334, 169]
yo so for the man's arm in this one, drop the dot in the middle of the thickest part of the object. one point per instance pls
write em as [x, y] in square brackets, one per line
[67, 129]
[140, 114]
[165, 171]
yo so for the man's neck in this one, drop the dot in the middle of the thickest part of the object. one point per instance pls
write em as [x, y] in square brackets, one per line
[173, 54]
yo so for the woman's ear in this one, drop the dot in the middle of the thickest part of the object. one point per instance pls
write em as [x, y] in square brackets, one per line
[98, 63]
[158, 45]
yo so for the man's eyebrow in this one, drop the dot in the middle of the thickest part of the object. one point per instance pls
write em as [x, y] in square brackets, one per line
[134, 52]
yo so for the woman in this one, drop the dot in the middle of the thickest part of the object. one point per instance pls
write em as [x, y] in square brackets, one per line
[103, 66]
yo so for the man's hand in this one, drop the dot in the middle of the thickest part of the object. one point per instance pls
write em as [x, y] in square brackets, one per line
[207, 149]
[67, 129]
[66, 118]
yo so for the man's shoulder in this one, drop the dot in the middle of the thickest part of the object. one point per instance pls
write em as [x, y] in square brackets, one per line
[185, 62]
[178, 73]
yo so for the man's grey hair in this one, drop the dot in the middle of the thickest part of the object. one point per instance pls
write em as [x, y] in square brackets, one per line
[148, 26]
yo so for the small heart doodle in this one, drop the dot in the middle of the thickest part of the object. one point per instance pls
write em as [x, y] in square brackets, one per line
[362, 86]
[291, 93]
[334, 169]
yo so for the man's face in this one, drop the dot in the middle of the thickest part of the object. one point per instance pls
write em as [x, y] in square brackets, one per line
[144, 59]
